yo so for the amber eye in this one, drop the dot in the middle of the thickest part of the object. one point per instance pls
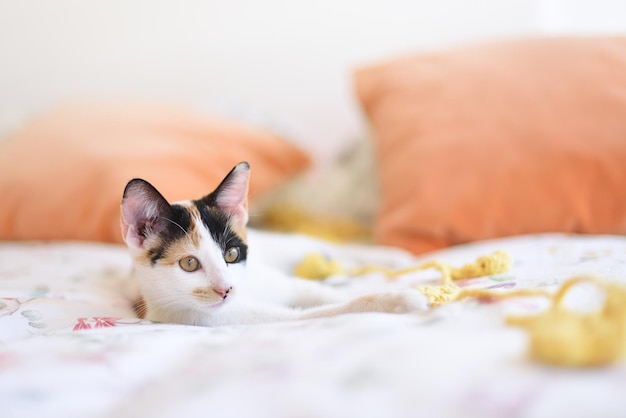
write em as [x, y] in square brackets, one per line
[189, 264]
[231, 255]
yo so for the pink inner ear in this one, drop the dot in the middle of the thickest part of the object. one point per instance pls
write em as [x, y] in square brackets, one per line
[135, 211]
[130, 209]
[140, 207]
[233, 196]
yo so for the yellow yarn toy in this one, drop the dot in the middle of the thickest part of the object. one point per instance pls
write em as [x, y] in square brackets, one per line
[557, 336]
[316, 266]
[565, 338]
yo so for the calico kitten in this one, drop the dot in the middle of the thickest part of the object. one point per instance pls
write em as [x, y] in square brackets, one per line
[189, 261]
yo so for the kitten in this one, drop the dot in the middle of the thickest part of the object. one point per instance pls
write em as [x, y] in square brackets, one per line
[189, 260]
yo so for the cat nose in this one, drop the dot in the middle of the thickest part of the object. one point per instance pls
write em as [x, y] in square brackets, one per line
[222, 291]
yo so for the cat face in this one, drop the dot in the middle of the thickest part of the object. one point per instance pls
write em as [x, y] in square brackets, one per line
[188, 256]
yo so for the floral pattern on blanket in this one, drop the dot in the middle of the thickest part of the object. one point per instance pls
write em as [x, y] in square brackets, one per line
[70, 345]
[35, 319]
[49, 287]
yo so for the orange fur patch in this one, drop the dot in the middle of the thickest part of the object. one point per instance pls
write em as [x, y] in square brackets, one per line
[140, 307]
[241, 231]
[205, 294]
[193, 234]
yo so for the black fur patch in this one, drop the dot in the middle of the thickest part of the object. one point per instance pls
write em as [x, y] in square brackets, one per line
[218, 224]
[176, 227]
[214, 220]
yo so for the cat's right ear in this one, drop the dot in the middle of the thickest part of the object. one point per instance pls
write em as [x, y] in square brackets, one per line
[144, 212]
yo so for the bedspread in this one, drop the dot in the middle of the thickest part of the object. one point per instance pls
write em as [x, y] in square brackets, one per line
[71, 346]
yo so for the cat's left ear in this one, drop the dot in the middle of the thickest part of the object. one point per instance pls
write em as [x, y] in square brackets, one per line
[231, 196]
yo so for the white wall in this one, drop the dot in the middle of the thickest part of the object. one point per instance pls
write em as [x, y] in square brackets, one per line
[286, 63]
[575, 16]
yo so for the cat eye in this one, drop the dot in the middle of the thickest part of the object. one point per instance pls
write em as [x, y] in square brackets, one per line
[189, 264]
[231, 255]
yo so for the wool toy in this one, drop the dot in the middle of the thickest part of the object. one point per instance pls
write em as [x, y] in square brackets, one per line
[557, 336]
[563, 337]
[316, 266]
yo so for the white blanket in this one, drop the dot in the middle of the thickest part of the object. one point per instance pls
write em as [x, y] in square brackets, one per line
[71, 346]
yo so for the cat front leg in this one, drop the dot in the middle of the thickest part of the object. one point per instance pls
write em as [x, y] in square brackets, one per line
[390, 302]
[399, 302]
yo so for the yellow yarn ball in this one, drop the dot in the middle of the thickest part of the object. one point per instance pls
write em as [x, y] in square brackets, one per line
[565, 338]
[495, 263]
[316, 266]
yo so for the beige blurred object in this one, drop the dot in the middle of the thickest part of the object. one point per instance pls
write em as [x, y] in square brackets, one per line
[339, 202]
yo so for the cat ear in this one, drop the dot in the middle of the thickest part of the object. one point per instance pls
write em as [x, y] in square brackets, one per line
[231, 196]
[144, 211]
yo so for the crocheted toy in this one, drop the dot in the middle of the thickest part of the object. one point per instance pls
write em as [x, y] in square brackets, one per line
[562, 337]
[316, 266]
[557, 336]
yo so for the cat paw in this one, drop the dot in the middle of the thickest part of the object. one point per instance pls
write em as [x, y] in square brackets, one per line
[394, 302]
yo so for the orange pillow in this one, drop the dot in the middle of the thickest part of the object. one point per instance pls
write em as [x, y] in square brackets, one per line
[499, 139]
[63, 174]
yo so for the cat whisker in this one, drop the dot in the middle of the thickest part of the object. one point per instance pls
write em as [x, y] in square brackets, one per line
[170, 306]
[225, 233]
[197, 317]
[175, 223]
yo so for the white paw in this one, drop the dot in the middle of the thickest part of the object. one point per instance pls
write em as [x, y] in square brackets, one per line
[394, 302]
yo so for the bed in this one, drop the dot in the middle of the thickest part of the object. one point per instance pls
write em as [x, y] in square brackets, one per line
[71, 344]
[515, 146]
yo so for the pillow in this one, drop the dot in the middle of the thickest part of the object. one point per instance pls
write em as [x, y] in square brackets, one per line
[499, 139]
[63, 174]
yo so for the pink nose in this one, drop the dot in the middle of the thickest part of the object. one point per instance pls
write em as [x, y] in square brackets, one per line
[222, 291]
